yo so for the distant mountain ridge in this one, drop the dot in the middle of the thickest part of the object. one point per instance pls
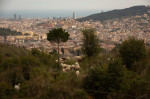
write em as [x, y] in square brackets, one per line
[120, 13]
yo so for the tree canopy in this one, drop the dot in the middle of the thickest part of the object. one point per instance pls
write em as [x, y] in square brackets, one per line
[90, 45]
[57, 35]
[101, 81]
[6, 32]
[132, 50]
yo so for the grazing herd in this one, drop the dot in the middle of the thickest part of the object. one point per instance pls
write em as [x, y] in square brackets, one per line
[65, 68]
[75, 67]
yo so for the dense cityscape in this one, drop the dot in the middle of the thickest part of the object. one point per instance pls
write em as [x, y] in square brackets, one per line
[109, 32]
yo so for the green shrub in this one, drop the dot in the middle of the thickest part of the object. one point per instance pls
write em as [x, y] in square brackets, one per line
[29, 61]
[132, 50]
[101, 81]
[10, 63]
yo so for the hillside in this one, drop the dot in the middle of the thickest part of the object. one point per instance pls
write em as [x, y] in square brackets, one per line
[37, 74]
[100, 76]
[132, 11]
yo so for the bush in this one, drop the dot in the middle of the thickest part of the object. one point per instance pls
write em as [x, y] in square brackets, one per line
[66, 86]
[90, 46]
[46, 59]
[141, 67]
[132, 50]
[101, 81]
[10, 63]
[96, 82]
[29, 61]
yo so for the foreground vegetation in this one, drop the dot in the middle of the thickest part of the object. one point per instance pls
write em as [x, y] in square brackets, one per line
[103, 76]
[37, 74]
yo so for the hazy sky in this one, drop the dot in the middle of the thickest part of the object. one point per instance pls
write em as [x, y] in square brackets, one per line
[69, 4]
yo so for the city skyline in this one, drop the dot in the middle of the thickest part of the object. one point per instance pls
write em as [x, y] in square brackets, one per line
[63, 8]
[69, 4]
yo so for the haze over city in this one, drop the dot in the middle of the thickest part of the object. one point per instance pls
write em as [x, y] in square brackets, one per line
[63, 8]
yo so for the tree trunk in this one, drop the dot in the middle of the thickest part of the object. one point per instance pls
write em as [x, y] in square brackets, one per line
[5, 38]
[58, 57]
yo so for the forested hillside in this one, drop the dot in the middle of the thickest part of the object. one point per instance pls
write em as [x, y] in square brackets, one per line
[101, 76]
[132, 11]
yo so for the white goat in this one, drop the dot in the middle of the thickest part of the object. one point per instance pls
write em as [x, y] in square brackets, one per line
[68, 58]
[67, 69]
[73, 67]
[77, 67]
[61, 64]
[76, 64]
[77, 73]
[64, 66]
[17, 87]
[64, 70]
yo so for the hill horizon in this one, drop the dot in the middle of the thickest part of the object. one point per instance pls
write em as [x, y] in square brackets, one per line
[117, 13]
[55, 13]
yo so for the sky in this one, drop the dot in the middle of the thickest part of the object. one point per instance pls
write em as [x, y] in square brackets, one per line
[62, 8]
[69, 4]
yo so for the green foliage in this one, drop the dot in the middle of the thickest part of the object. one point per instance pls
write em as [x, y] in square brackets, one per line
[70, 87]
[35, 71]
[132, 50]
[44, 85]
[46, 59]
[92, 62]
[6, 32]
[35, 52]
[116, 72]
[10, 63]
[90, 45]
[115, 50]
[101, 76]
[29, 61]
[148, 74]
[101, 81]
[139, 88]
[141, 67]
[26, 34]
[57, 35]
[5, 90]
[69, 62]
[136, 86]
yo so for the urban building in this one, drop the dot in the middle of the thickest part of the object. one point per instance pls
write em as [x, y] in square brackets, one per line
[74, 15]
[15, 16]
[19, 17]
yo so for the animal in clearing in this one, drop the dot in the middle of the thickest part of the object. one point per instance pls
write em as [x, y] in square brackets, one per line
[77, 73]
